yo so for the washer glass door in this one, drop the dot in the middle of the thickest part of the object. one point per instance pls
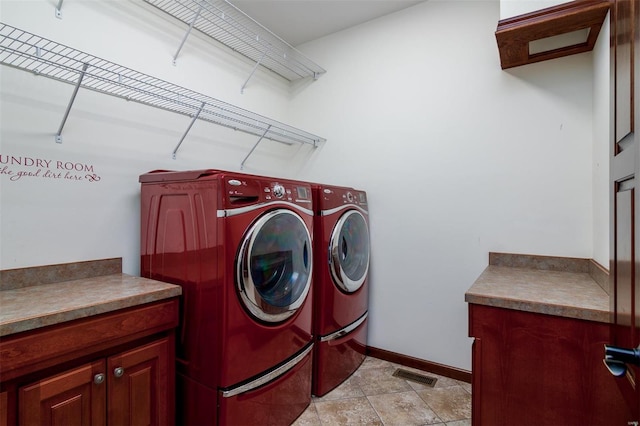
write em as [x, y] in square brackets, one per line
[349, 251]
[274, 266]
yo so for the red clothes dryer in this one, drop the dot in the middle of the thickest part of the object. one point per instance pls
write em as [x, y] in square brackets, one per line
[241, 248]
[341, 289]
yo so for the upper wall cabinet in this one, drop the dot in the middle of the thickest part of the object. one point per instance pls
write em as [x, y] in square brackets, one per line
[550, 33]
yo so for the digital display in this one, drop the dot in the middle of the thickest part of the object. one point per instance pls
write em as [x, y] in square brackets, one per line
[363, 198]
[302, 192]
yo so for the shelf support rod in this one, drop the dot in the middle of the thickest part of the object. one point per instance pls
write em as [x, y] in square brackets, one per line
[255, 67]
[73, 98]
[254, 147]
[193, 120]
[184, 39]
[59, 9]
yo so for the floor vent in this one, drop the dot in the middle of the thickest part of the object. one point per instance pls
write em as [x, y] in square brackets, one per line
[415, 377]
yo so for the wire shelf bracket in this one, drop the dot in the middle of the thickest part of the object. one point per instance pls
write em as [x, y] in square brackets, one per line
[252, 149]
[59, 9]
[253, 71]
[186, 35]
[28, 52]
[73, 98]
[225, 23]
[193, 120]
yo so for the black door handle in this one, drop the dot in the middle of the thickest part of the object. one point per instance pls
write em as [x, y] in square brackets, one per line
[616, 359]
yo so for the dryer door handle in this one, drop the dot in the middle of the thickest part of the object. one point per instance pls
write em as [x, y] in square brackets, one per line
[331, 338]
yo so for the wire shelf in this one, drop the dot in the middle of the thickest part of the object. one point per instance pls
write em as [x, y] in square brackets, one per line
[227, 24]
[40, 56]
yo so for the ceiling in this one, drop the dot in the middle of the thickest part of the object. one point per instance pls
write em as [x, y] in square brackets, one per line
[299, 21]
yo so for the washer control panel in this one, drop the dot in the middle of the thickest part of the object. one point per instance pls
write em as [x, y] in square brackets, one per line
[242, 191]
[289, 192]
[278, 190]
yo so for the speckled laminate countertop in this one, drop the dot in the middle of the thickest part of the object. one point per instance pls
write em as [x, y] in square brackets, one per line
[567, 293]
[34, 306]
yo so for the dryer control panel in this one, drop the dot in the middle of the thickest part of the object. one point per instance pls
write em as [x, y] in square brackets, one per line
[331, 197]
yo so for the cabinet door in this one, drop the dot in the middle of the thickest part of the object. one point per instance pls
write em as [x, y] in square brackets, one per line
[536, 369]
[624, 201]
[4, 408]
[141, 386]
[76, 397]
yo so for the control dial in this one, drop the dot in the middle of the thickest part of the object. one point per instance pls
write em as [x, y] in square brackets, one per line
[278, 190]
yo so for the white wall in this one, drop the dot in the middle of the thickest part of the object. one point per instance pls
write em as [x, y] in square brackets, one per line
[511, 8]
[601, 120]
[51, 220]
[458, 157]
[602, 135]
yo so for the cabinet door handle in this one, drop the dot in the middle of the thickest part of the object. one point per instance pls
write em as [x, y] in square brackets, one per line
[616, 359]
[118, 371]
[98, 378]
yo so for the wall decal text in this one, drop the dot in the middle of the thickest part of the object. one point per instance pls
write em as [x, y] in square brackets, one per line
[17, 167]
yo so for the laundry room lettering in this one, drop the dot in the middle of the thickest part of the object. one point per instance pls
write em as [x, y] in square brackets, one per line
[18, 168]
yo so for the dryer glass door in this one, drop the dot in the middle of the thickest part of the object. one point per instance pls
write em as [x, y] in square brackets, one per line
[274, 266]
[349, 251]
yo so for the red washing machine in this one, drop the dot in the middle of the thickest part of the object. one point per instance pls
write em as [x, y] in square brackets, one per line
[341, 290]
[241, 248]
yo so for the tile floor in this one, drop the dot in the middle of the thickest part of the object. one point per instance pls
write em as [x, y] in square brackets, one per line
[373, 396]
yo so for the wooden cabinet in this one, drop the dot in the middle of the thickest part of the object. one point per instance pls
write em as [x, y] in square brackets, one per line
[537, 369]
[112, 369]
[4, 408]
[514, 35]
[139, 385]
[128, 388]
[75, 397]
